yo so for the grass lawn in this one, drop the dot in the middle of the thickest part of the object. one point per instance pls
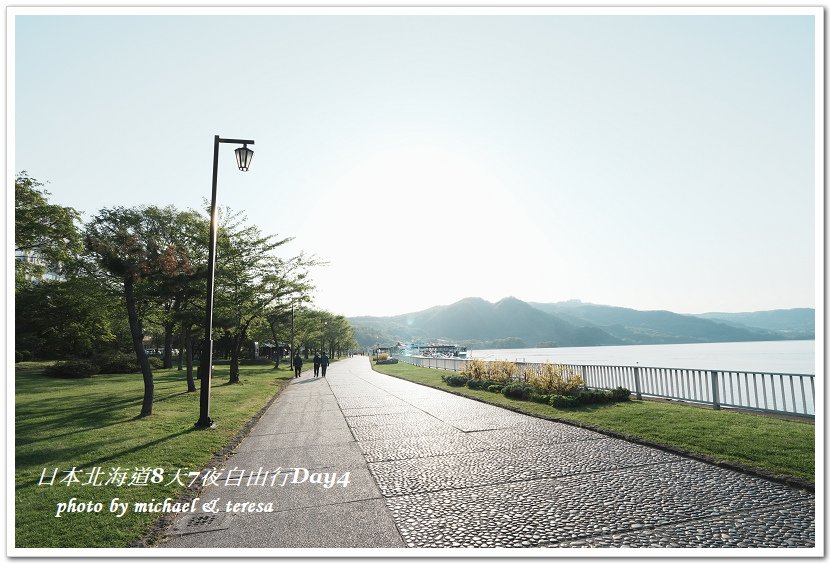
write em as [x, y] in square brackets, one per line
[88, 423]
[771, 444]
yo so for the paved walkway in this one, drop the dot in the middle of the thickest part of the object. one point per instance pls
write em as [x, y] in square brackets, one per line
[431, 469]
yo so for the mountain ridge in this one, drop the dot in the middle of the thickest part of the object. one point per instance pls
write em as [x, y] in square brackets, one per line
[511, 322]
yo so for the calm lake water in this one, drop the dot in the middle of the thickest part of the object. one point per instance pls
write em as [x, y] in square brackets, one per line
[789, 356]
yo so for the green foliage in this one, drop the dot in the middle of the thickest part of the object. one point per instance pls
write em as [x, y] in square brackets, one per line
[621, 394]
[116, 362]
[481, 383]
[590, 397]
[456, 380]
[45, 229]
[22, 356]
[72, 369]
[252, 281]
[519, 391]
[551, 384]
[156, 362]
[563, 401]
[76, 317]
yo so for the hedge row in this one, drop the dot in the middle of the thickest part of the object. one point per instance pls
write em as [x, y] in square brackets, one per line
[525, 392]
[117, 362]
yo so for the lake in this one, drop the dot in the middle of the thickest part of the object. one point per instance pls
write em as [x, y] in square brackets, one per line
[786, 356]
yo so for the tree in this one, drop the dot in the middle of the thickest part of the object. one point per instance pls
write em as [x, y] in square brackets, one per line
[46, 232]
[127, 245]
[306, 331]
[180, 284]
[251, 279]
[76, 317]
[339, 335]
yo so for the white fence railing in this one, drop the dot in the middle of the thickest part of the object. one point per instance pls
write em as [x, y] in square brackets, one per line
[785, 393]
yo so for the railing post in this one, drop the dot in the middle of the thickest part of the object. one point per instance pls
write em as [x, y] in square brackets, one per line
[715, 394]
[637, 383]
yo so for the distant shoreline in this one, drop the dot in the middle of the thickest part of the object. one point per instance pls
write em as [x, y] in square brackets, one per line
[768, 356]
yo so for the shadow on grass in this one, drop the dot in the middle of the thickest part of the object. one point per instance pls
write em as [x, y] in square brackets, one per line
[32, 460]
[86, 419]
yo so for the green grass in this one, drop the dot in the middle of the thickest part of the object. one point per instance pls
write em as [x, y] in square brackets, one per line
[93, 422]
[785, 447]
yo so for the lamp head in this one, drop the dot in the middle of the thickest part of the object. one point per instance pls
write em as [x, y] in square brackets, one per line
[244, 155]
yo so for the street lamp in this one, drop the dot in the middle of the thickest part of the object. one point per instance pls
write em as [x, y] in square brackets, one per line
[244, 155]
[323, 325]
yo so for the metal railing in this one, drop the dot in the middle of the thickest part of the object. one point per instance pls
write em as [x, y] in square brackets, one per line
[784, 393]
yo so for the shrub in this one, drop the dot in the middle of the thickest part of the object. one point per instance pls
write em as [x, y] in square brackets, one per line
[22, 356]
[540, 398]
[502, 372]
[116, 362]
[555, 379]
[456, 380]
[621, 394]
[475, 369]
[596, 397]
[156, 363]
[480, 383]
[382, 357]
[72, 369]
[495, 388]
[518, 391]
[563, 401]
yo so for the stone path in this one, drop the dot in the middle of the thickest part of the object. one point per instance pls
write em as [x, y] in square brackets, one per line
[431, 469]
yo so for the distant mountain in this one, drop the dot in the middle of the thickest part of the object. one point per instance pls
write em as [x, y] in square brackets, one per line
[655, 327]
[478, 320]
[514, 323]
[475, 322]
[795, 323]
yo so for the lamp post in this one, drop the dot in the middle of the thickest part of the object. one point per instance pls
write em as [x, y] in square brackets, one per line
[244, 155]
[323, 325]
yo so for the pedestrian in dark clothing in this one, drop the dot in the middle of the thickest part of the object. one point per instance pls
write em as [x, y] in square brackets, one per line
[298, 365]
[324, 363]
[316, 364]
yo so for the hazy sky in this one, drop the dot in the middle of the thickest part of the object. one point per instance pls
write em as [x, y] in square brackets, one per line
[653, 162]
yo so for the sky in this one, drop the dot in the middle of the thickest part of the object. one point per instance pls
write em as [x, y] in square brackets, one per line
[662, 161]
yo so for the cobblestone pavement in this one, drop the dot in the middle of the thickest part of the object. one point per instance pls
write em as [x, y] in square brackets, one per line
[459, 473]
[431, 469]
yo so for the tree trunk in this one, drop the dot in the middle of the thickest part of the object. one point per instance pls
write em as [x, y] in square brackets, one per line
[181, 341]
[137, 334]
[234, 378]
[276, 344]
[168, 345]
[236, 347]
[188, 341]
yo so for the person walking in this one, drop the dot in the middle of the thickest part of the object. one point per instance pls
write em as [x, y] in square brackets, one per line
[316, 364]
[298, 364]
[324, 363]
